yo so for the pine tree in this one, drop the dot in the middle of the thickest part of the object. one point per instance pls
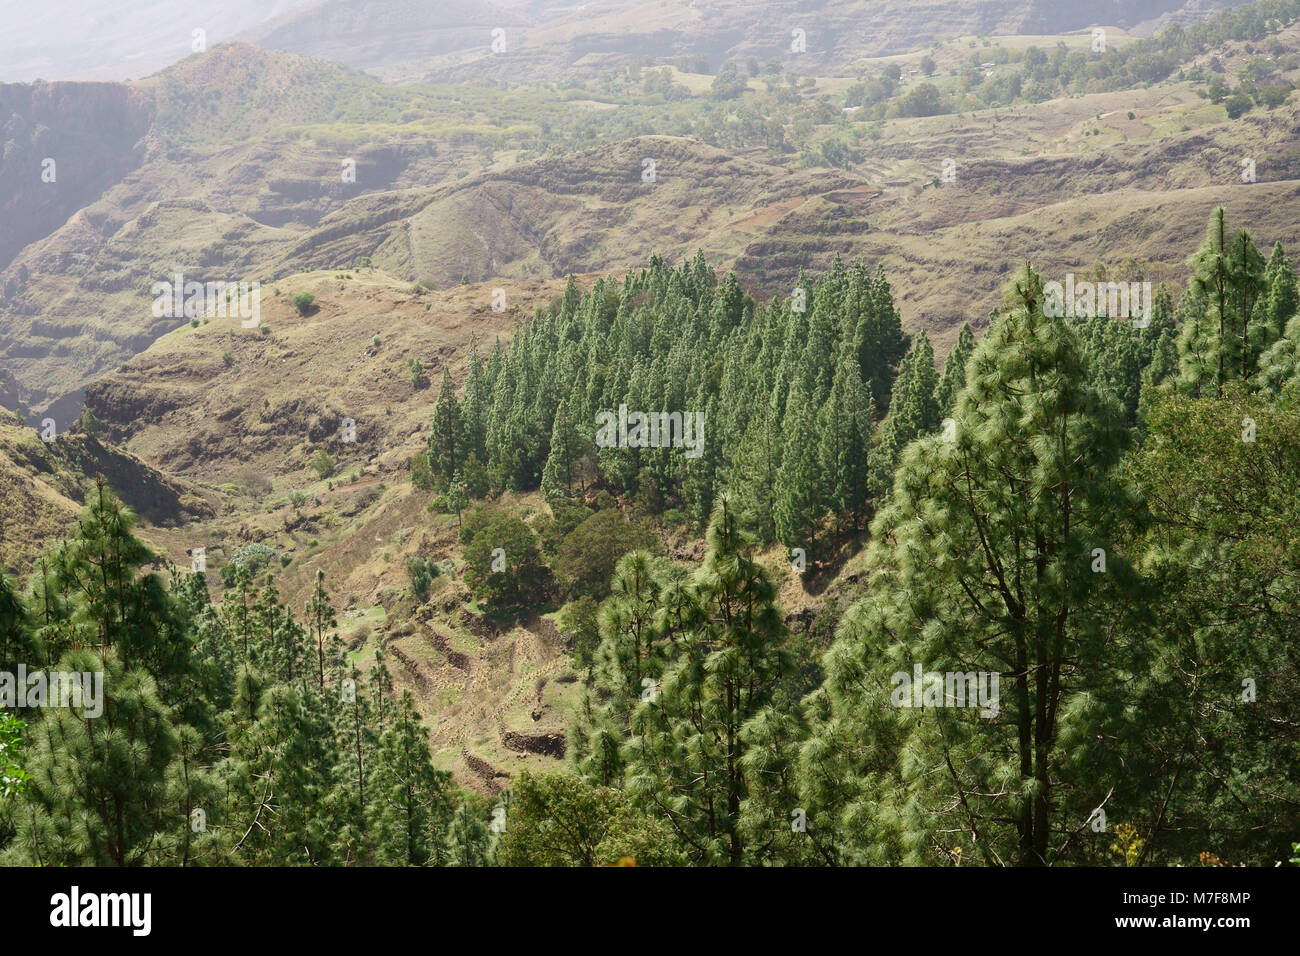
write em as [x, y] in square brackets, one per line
[356, 743]
[1225, 627]
[17, 643]
[844, 425]
[237, 610]
[475, 406]
[800, 490]
[878, 336]
[1210, 282]
[469, 843]
[457, 496]
[411, 810]
[195, 836]
[281, 771]
[98, 793]
[321, 618]
[954, 371]
[1283, 297]
[118, 605]
[985, 561]
[562, 464]
[628, 665]
[686, 755]
[1248, 286]
[913, 411]
[752, 475]
[700, 484]
[447, 439]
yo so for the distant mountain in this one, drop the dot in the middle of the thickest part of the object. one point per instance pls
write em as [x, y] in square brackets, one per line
[454, 39]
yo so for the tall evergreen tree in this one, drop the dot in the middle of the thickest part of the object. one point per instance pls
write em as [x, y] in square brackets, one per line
[913, 411]
[563, 462]
[954, 372]
[447, 438]
[844, 425]
[628, 664]
[1283, 297]
[686, 755]
[986, 561]
[98, 793]
[800, 491]
[320, 618]
[412, 809]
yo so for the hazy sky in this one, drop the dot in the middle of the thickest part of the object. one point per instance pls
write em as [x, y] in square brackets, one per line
[116, 39]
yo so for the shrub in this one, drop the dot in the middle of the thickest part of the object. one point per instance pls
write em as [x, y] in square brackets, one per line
[323, 464]
[421, 475]
[89, 423]
[1238, 104]
[303, 302]
[421, 572]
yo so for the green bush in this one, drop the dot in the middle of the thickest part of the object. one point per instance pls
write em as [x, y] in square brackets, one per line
[1238, 104]
[421, 476]
[323, 464]
[421, 572]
